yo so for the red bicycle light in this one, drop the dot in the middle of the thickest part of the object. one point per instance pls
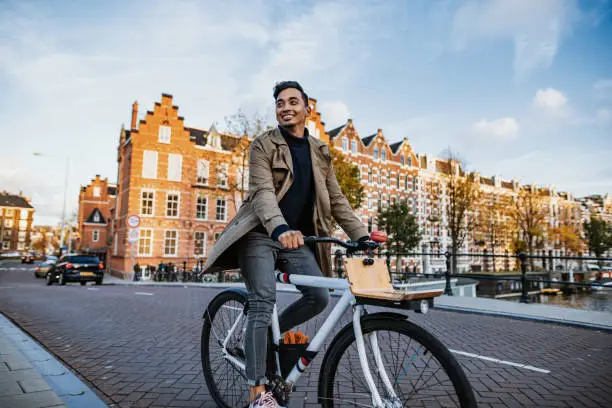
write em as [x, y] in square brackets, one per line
[378, 236]
[101, 265]
[69, 266]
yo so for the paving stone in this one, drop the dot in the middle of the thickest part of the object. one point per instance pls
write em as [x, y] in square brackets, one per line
[9, 388]
[34, 385]
[32, 400]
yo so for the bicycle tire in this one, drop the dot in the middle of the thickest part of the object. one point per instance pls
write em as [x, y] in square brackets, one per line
[240, 383]
[346, 337]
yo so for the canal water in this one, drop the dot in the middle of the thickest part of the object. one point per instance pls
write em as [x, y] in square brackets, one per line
[600, 301]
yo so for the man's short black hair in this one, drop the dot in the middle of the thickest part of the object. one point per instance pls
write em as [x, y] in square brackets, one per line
[281, 86]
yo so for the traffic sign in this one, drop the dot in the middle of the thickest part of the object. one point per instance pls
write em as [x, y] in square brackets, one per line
[133, 221]
[133, 235]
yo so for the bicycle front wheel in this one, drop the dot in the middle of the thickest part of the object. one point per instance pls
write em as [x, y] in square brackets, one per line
[409, 367]
[222, 347]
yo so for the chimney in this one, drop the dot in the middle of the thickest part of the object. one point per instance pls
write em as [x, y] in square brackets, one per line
[134, 114]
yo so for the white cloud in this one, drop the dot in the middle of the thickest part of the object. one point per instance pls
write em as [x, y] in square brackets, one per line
[334, 113]
[496, 129]
[549, 98]
[604, 115]
[535, 27]
[603, 88]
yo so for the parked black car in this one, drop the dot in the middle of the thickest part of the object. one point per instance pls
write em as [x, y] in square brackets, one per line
[76, 268]
[27, 257]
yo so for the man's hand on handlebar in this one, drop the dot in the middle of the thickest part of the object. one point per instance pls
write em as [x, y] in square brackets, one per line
[291, 239]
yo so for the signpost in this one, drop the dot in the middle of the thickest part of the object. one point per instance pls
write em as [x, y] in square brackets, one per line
[133, 234]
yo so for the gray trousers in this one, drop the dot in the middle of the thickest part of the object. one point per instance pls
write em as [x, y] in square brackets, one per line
[258, 256]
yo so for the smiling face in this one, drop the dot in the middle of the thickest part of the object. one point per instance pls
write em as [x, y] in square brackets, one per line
[291, 110]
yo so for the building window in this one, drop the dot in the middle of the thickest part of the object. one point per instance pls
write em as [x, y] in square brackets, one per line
[222, 175]
[202, 207]
[376, 153]
[217, 235]
[145, 242]
[369, 175]
[149, 164]
[199, 244]
[22, 235]
[398, 181]
[147, 203]
[24, 214]
[21, 246]
[96, 217]
[406, 182]
[172, 205]
[171, 243]
[242, 179]
[164, 134]
[344, 144]
[369, 202]
[409, 161]
[23, 224]
[414, 184]
[95, 235]
[6, 245]
[8, 212]
[353, 146]
[380, 178]
[8, 223]
[175, 165]
[383, 153]
[116, 243]
[96, 191]
[402, 159]
[221, 209]
[379, 203]
[202, 176]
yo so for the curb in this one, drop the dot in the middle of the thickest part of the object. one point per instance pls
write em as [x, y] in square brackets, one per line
[68, 387]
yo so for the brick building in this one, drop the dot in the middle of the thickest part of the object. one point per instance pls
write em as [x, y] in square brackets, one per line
[94, 218]
[186, 183]
[16, 216]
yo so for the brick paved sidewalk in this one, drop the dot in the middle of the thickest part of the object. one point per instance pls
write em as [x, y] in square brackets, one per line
[32, 378]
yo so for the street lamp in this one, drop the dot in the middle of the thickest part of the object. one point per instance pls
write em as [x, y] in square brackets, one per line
[38, 154]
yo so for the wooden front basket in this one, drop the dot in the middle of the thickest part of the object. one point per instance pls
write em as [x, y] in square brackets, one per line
[373, 282]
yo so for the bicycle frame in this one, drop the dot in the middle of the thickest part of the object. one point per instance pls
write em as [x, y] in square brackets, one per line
[346, 300]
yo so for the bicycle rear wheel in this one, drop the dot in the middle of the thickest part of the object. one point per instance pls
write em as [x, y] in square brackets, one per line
[226, 381]
[418, 367]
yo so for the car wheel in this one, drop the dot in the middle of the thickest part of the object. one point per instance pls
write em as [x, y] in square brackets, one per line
[83, 283]
[49, 279]
[62, 280]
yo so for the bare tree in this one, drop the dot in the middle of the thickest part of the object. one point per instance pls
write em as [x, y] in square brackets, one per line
[462, 193]
[529, 215]
[492, 223]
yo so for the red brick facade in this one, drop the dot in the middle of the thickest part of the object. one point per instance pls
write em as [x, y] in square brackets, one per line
[95, 203]
[16, 217]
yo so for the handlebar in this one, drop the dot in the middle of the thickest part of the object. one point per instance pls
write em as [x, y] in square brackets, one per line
[346, 244]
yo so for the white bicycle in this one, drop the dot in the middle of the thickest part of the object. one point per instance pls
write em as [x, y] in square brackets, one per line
[379, 359]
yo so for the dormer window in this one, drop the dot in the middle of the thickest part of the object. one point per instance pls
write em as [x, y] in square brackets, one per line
[344, 144]
[376, 153]
[402, 159]
[353, 146]
[384, 154]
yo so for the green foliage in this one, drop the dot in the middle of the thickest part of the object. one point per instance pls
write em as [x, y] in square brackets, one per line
[598, 235]
[400, 225]
[349, 178]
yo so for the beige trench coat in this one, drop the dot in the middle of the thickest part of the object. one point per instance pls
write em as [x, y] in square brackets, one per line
[270, 176]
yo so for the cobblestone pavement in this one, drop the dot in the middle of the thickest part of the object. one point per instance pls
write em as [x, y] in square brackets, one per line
[139, 346]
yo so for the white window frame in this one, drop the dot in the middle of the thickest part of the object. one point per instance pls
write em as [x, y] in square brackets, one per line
[205, 207]
[353, 146]
[176, 246]
[223, 175]
[143, 238]
[22, 236]
[147, 190]
[153, 156]
[8, 212]
[217, 209]
[203, 254]
[20, 246]
[8, 223]
[23, 225]
[376, 153]
[6, 244]
[178, 204]
[345, 144]
[173, 158]
[203, 171]
[96, 191]
[164, 134]
[383, 154]
[24, 214]
[95, 235]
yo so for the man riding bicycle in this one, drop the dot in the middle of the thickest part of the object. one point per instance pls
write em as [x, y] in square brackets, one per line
[293, 192]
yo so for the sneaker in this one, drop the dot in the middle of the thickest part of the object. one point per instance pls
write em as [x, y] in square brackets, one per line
[265, 400]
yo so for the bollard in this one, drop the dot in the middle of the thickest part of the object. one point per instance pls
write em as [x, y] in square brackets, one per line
[524, 297]
[447, 289]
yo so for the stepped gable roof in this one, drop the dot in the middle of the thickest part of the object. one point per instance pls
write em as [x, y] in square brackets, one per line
[368, 139]
[11, 200]
[335, 132]
[95, 217]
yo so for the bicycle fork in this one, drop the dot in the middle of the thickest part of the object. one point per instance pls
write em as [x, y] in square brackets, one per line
[376, 399]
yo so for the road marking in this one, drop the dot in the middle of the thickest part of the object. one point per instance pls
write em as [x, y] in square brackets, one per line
[496, 360]
[143, 293]
[93, 289]
[7, 287]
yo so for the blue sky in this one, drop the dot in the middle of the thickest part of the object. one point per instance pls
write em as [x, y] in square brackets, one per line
[519, 88]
